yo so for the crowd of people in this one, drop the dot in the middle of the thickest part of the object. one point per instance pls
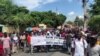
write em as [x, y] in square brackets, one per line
[77, 42]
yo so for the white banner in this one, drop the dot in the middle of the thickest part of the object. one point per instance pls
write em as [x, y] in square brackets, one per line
[38, 40]
[42, 40]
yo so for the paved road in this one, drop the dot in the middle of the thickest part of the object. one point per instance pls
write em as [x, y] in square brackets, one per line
[41, 54]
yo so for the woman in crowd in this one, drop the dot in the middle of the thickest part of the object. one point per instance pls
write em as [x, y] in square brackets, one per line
[6, 44]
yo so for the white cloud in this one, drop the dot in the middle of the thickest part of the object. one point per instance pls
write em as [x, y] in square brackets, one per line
[49, 1]
[32, 4]
[81, 17]
[71, 13]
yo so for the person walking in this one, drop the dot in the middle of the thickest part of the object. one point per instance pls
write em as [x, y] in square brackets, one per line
[29, 41]
[79, 45]
[15, 44]
[68, 43]
[23, 41]
[6, 45]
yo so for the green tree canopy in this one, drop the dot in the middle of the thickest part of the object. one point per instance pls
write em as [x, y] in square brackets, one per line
[19, 16]
[95, 8]
[50, 18]
[78, 21]
[94, 22]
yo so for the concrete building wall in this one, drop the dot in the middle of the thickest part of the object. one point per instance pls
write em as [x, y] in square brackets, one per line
[8, 29]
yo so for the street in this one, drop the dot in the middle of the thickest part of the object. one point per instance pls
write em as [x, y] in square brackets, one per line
[41, 54]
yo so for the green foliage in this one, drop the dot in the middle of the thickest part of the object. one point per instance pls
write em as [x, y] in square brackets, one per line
[94, 23]
[49, 18]
[69, 22]
[78, 21]
[5, 6]
[95, 8]
[19, 16]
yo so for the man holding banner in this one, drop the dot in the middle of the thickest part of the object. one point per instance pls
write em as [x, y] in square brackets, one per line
[45, 41]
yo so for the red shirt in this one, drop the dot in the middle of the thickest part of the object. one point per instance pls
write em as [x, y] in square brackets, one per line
[29, 39]
[1, 49]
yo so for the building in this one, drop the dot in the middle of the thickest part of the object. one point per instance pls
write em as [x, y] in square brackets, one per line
[8, 29]
[42, 26]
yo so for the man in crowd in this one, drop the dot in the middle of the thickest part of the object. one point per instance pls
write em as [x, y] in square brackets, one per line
[79, 45]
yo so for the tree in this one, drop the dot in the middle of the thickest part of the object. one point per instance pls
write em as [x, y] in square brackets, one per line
[60, 19]
[17, 9]
[17, 17]
[94, 22]
[49, 18]
[5, 10]
[13, 15]
[21, 19]
[70, 22]
[95, 8]
[78, 21]
[48, 22]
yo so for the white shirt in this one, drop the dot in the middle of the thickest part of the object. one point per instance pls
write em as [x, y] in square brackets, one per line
[94, 51]
[79, 46]
[49, 35]
[15, 38]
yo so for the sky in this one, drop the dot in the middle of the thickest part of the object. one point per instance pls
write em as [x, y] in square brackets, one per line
[70, 8]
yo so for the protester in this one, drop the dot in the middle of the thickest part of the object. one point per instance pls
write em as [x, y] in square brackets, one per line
[68, 42]
[64, 47]
[32, 35]
[49, 35]
[6, 45]
[79, 45]
[23, 41]
[15, 44]
[29, 41]
[1, 45]
[93, 48]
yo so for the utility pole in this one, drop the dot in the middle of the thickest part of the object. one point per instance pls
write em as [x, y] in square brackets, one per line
[86, 15]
